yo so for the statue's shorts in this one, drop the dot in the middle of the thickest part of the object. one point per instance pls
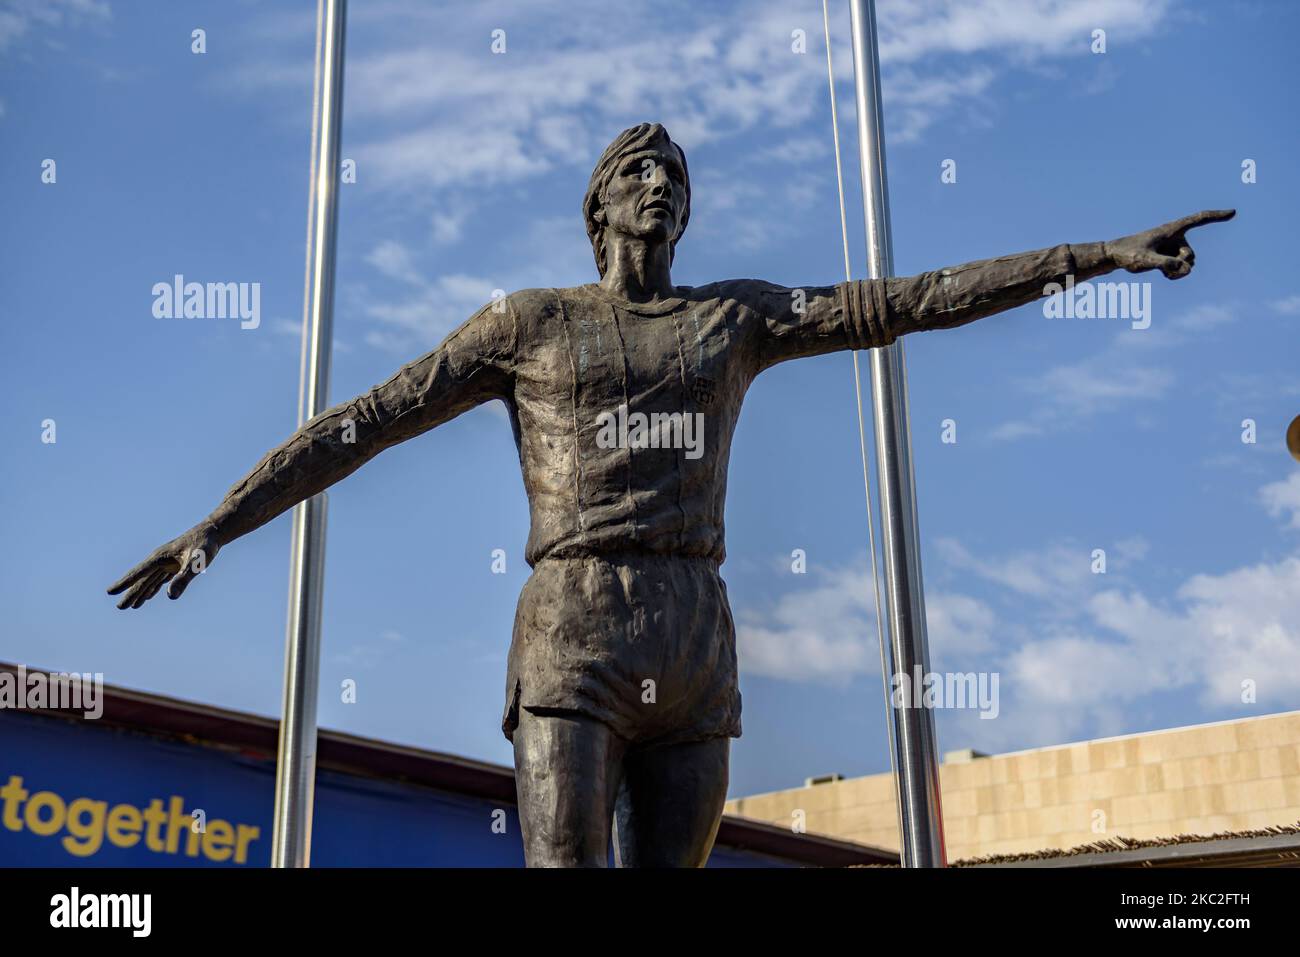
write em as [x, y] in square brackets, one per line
[644, 644]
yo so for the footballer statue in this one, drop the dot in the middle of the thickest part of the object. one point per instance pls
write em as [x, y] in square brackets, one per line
[621, 689]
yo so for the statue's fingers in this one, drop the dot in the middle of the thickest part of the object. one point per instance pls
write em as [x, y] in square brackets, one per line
[128, 599]
[1175, 268]
[157, 583]
[149, 590]
[1144, 260]
[1172, 266]
[1187, 254]
[132, 597]
[147, 566]
[1203, 218]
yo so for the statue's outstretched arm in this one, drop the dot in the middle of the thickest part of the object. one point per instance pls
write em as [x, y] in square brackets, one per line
[471, 366]
[870, 313]
[954, 297]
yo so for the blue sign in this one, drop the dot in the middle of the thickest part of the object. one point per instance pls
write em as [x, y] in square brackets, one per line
[78, 793]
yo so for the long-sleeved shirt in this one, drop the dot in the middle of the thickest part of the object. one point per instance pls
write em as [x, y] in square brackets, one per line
[567, 362]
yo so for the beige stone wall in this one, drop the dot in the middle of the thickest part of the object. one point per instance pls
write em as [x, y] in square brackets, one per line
[1226, 776]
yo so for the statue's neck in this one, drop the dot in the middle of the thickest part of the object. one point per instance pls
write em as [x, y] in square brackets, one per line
[636, 270]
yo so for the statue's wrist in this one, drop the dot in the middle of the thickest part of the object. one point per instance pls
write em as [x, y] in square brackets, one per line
[1092, 259]
[211, 527]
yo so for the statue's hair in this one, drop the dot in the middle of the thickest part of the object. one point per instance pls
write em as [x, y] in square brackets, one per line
[631, 140]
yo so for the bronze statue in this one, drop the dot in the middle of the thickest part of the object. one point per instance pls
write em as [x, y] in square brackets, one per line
[621, 690]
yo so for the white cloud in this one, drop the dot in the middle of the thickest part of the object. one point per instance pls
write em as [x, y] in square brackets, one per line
[1290, 306]
[1127, 551]
[1207, 316]
[396, 262]
[799, 150]
[1081, 661]
[429, 312]
[1283, 497]
[447, 225]
[1010, 431]
[1127, 375]
[1078, 654]
[1074, 672]
[1022, 29]
[920, 97]
[1095, 385]
[411, 311]
[958, 627]
[439, 122]
[826, 631]
[1058, 572]
[1247, 623]
[1219, 631]
[439, 115]
[1066, 395]
[19, 17]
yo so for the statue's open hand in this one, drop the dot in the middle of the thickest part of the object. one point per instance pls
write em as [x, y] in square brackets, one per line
[1165, 247]
[179, 560]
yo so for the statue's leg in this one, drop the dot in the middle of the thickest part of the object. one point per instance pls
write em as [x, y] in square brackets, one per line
[566, 776]
[670, 803]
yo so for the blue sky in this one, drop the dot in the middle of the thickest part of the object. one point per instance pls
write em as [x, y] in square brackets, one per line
[1071, 434]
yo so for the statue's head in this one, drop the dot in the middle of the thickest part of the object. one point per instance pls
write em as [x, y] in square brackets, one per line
[640, 187]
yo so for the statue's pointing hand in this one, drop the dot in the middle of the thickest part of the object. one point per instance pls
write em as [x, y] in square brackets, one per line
[1164, 247]
[178, 561]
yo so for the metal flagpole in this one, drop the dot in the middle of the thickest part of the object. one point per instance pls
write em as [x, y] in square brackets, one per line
[295, 777]
[916, 760]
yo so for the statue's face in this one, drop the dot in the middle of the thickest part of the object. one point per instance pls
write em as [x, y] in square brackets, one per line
[646, 197]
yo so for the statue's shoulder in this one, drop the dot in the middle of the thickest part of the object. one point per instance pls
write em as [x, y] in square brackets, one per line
[745, 291]
[540, 305]
[532, 304]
